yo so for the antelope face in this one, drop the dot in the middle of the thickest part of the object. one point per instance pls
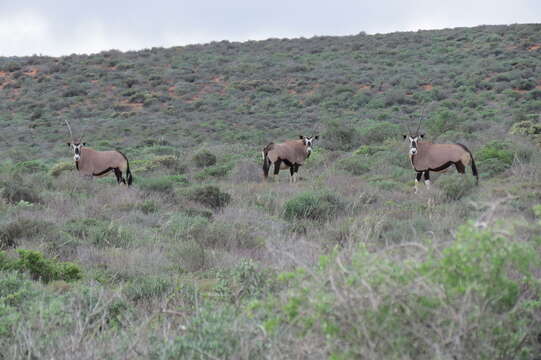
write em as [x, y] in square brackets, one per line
[76, 147]
[308, 141]
[413, 142]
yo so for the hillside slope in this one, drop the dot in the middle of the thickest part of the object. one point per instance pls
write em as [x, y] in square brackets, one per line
[202, 259]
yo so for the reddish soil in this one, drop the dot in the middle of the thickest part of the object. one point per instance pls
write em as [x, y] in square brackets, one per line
[31, 72]
[427, 87]
[534, 47]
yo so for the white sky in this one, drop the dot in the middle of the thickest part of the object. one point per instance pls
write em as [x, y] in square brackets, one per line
[63, 27]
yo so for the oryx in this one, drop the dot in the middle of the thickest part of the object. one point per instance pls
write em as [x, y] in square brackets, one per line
[426, 157]
[99, 163]
[290, 154]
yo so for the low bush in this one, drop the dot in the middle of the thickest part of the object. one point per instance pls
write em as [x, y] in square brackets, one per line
[377, 132]
[204, 158]
[164, 184]
[60, 167]
[147, 287]
[355, 165]
[23, 228]
[39, 267]
[100, 232]
[339, 135]
[15, 191]
[209, 195]
[312, 205]
[494, 158]
[455, 186]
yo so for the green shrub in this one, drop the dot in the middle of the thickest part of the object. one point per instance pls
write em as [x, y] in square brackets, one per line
[148, 207]
[483, 280]
[246, 280]
[377, 132]
[147, 287]
[319, 206]
[41, 268]
[214, 171]
[164, 184]
[209, 195]
[355, 165]
[100, 232]
[339, 135]
[204, 158]
[60, 167]
[455, 186]
[494, 158]
[29, 167]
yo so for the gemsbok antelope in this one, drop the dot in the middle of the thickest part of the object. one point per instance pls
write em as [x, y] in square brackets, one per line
[99, 163]
[290, 154]
[426, 157]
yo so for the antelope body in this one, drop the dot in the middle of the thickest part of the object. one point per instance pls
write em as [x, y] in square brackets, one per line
[100, 163]
[426, 157]
[290, 154]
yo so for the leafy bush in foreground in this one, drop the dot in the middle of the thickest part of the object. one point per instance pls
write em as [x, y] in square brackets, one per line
[480, 291]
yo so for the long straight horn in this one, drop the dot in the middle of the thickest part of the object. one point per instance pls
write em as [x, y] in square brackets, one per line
[69, 128]
[420, 120]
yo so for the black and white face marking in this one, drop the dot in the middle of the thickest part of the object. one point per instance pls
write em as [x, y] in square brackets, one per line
[413, 143]
[76, 150]
[308, 141]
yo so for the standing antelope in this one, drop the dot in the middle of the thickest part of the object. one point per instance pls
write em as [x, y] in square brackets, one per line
[290, 154]
[426, 157]
[99, 163]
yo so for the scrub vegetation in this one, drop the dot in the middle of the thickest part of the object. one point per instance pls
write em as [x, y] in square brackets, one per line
[202, 259]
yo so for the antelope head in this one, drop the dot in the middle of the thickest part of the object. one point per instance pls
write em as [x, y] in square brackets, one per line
[75, 144]
[413, 140]
[308, 141]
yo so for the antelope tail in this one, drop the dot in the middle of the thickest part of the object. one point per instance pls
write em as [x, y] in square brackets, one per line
[129, 177]
[266, 160]
[473, 167]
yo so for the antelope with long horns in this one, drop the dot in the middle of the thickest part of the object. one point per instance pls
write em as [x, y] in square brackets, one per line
[99, 163]
[426, 157]
[290, 154]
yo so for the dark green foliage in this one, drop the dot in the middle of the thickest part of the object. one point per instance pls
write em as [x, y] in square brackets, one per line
[355, 165]
[209, 195]
[204, 158]
[377, 132]
[494, 158]
[41, 268]
[339, 135]
[312, 205]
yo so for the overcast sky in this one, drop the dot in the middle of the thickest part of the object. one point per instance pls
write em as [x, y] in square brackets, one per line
[62, 27]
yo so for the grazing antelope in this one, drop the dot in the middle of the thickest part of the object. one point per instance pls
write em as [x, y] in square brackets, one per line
[99, 163]
[426, 157]
[290, 154]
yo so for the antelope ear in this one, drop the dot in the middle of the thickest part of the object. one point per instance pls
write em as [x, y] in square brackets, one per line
[422, 135]
[316, 137]
[301, 137]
